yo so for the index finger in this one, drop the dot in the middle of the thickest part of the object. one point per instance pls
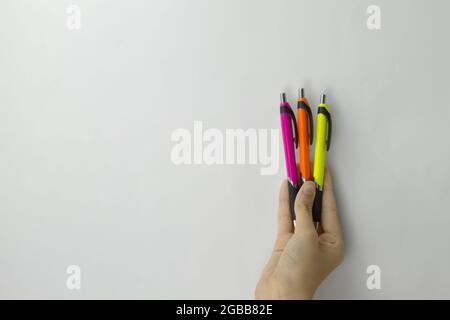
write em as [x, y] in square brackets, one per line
[329, 219]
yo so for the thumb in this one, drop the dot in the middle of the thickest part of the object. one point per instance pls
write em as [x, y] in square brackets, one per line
[303, 207]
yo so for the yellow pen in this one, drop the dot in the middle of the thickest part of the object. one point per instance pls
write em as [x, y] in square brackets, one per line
[323, 141]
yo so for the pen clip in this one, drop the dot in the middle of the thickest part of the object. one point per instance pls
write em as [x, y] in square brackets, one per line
[305, 106]
[327, 114]
[289, 111]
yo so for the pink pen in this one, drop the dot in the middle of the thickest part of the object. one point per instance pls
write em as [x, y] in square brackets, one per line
[290, 142]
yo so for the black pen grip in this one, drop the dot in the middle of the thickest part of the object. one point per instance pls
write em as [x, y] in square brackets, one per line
[293, 190]
[317, 206]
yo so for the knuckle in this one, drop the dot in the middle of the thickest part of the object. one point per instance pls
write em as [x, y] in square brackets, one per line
[331, 209]
[303, 207]
[283, 218]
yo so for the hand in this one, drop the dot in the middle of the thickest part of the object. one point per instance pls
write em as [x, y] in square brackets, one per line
[302, 257]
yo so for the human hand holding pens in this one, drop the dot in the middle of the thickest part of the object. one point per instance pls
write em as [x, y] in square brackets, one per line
[302, 257]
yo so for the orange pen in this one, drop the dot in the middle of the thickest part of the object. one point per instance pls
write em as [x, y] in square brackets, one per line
[305, 134]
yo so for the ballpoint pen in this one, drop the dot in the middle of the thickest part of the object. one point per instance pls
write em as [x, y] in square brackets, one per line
[323, 141]
[305, 134]
[290, 142]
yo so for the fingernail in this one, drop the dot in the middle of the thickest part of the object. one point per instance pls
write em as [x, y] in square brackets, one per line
[308, 188]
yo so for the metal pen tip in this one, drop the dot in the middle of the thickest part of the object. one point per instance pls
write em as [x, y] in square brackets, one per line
[322, 99]
[283, 97]
[301, 93]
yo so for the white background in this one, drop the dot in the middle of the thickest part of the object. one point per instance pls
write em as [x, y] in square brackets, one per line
[86, 117]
